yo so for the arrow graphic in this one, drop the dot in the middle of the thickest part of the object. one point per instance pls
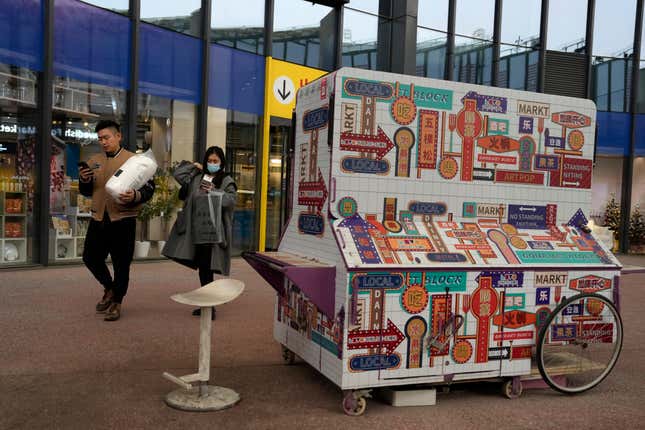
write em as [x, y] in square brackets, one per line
[313, 193]
[378, 144]
[523, 209]
[284, 93]
[389, 338]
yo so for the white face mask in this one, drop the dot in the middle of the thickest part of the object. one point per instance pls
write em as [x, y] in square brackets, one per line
[213, 167]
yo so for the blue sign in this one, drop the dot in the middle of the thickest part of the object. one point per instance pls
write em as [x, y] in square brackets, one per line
[487, 103]
[427, 208]
[546, 162]
[542, 296]
[378, 280]
[316, 118]
[365, 165]
[311, 224]
[526, 125]
[574, 309]
[506, 279]
[355, 87]
[578, 219]
[544, 246]
[553, 141]
[446, 257]
[527, 216]
[374, 362]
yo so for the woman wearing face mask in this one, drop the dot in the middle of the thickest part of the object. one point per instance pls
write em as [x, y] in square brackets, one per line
[194, 241]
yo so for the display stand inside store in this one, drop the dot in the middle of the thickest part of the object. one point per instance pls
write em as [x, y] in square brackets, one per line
[13, 227]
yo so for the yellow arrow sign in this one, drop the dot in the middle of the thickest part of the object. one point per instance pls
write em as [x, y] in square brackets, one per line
[282, 81]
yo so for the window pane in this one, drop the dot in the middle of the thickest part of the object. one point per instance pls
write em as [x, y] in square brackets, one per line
[617, 86]
[475, 18]
[567, 24]
[18, 151]
[433, 14]
[120, 6]
[517, 71]
[431, 53]
[182, 16]
[473, 61]
[370, 6]
[167, 127]
[77, 108]
[601, 78]
[239, 24]
[521, 22]
[359, 38]
[614, 28]
[297, 23]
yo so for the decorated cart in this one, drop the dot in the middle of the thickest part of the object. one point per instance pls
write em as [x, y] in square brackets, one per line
[439, 234]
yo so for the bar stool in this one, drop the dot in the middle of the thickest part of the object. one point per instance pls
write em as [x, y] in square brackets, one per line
[204, 397]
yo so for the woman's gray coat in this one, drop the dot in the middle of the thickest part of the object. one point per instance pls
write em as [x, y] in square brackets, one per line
[180, 246]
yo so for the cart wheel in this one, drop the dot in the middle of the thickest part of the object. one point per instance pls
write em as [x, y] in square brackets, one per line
[353, 404]
[512, 388]
[574, 358]
[288, 355]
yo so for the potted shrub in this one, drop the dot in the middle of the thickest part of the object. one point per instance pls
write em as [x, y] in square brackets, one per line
[612, 219]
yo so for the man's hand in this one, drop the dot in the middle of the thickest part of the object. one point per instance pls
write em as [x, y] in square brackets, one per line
[86, 174]
[128, 196]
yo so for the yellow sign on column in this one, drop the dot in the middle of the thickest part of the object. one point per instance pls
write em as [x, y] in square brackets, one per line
[282, 82]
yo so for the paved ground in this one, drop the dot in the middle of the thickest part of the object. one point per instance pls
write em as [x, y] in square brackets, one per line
[63, 367]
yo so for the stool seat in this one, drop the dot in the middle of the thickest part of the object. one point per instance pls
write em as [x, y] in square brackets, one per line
[216, 293]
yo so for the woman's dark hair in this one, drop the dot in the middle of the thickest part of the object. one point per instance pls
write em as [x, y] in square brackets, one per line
[219, 176]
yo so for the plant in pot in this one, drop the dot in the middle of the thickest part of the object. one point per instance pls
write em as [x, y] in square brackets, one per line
[162, 205]
[612, 219]
[636, 230]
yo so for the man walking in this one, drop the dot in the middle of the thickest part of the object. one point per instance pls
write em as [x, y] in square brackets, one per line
[113, 224]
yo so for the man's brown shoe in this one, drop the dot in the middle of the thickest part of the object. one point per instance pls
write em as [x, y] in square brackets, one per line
[113, 313]
[105, 302]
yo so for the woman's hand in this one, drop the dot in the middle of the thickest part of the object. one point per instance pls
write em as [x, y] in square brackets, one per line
[198, 165]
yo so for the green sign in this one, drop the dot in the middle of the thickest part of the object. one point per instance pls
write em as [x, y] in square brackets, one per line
[497, 126]
[437, 282]
[427, 97]
[562, 257]
[513, 301]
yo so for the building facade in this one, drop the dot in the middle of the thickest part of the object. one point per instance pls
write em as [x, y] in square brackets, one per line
[181, 76]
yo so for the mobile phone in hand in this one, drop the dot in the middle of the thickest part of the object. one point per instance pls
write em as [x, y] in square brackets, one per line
[83, 165]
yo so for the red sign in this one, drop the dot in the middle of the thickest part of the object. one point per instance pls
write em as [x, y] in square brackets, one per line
[518, 352]
[469, 125]
[513, 177]
[428, 137]
[551, 214]
[513, 335]
[497, 159]
[378, 144]
[576, 173]
[590, 284]
[514, 319]
[483, 304]
[598, 333]
[441, 306]
[312, 193]
[498, 143]
[389, 338]
[571, 119]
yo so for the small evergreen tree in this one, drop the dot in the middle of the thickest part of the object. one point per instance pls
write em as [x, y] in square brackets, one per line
[612, 215]
[636, 227]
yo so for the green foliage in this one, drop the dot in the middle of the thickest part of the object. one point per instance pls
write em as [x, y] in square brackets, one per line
[636, 227]
[165, 199]
[612, 215]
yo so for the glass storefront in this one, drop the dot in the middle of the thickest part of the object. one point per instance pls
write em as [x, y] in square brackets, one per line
[77, 108]
[18, 146]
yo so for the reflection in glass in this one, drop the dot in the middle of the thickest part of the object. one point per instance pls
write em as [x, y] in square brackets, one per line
[18, 147]
[614, 28]
[521, 22]
[359, 38]
[77, 107]
[475, 18]
[238, 24]
[567, 25]
[277, 183]
[182, 16]
[473, 61]
[297, 30]
[120, 6]
[601, 80]
[433, 14]
[431, 53]
[618, 77]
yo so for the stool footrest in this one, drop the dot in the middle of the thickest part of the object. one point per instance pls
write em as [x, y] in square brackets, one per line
[178, 381]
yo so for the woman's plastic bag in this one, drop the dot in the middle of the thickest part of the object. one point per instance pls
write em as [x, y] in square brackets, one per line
[132, 175]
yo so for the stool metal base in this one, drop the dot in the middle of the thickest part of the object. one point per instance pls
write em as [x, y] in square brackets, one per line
[190, 400]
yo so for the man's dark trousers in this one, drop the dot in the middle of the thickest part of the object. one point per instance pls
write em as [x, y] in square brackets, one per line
[115, 238]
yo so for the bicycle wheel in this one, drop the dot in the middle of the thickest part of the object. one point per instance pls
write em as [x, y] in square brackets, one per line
[579, 343]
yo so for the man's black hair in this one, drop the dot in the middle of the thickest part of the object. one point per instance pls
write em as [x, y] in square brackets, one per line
[107, 123]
